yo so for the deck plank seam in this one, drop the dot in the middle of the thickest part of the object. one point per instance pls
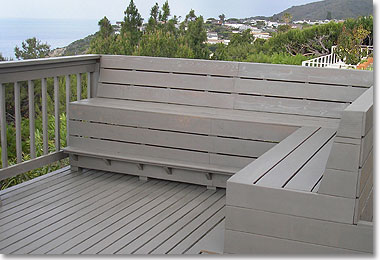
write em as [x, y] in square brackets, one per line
[154, 186]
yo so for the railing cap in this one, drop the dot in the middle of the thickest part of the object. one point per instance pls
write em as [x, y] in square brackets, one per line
[32, 62]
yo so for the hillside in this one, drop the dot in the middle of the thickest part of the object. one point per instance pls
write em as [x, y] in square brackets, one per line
[340, 9]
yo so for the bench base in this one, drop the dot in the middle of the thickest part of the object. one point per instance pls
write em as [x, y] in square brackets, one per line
[152, 171]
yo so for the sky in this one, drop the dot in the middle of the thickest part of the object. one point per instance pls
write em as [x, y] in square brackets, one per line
[113, 9]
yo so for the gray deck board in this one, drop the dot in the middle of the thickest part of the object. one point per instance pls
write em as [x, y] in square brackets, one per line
[67, 212]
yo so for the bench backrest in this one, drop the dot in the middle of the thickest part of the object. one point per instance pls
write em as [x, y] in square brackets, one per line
[349, 170]
[271, 88]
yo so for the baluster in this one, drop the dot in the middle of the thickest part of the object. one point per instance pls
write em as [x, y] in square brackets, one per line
[31, 119]
[56, 115]
[3, 122]
[44, 117]
[18, 122]
[68, 94]
[88, 85]
[79, 87]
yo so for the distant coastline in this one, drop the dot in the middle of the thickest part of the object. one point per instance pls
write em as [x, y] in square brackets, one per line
[56, 32]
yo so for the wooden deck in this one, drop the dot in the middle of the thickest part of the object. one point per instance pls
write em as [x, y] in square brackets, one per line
[97, 212]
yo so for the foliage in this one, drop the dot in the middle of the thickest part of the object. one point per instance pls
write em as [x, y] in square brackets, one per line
[39, 150]
[287, 18]
[349, 44]
[32, 49]
[104, 38]
[130, 25]
[79, 47]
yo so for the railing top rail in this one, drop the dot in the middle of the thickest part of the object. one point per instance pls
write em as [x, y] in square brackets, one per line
[43, 61]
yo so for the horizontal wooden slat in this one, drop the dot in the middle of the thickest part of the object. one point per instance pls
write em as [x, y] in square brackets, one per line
[339, 183]
[194, 66]
[31, 164]
[297, 90]
[167, 80]
[326, 233]
[146, 151]
[45, 73]
[306, 74]
[203, 143]
[248, 243]
[297, 203]
[289, 106]
[166, 95]
[115, 110]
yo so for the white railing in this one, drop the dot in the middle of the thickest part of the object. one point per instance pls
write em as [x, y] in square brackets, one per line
[18, 75]
[332, 60]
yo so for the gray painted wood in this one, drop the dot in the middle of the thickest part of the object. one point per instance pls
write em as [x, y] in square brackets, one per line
[339, 183]
[282, 173]
[57, 132]
[358, 117]
[156, 79]
[289, 106]
[44, 116]
[193, 66]
[31, 164]
[18, 121]
[67, 97]
[365, 172]
[212, 144]
[344, 156]
[178, 226]
[125, 201]
[325, 233]
[254, 171]
[297, 203]
[306, 74]
[101, 106]
[298, 90]
[31, 119]
[147, 234]
[33, 231]
[168, 95]
[79, 86]
[146, 195]
[34, 73]
[238, 242]
[310, 174]
[121, 229]
[3, 125]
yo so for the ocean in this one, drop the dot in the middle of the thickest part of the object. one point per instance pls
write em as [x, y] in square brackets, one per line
[56, 32]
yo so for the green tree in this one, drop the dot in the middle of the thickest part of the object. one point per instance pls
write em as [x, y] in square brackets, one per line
[153, 19]
[329, 15]
[287, 18]
[349, 44]
[32, 49]
[104, 39]
[222, 17]
[165, 13]
[130, 27]
[195, 36]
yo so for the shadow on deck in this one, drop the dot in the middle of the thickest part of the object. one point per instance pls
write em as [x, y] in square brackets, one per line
[97, 212]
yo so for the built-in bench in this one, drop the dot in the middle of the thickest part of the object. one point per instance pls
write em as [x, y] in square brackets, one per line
[200, 121]
[297, 142]
[312, 193]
